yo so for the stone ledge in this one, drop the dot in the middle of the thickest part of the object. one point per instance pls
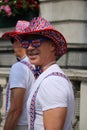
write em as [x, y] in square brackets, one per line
[73, 74]
[75, 46]
[3, 30]
[76, 74]
[4, 72]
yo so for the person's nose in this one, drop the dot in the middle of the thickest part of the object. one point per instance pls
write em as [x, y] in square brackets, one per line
[30, 47]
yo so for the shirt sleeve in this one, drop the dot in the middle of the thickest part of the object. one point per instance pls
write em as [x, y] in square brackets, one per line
[18, 76]
[53, 93]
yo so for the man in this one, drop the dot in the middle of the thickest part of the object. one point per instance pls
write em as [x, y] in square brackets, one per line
[20, 82]
[51, 101]
[52, 97]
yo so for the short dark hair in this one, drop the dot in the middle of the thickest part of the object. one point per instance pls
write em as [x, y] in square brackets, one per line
[12, 40]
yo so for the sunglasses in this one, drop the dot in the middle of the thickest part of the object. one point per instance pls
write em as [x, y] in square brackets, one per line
[34, 42]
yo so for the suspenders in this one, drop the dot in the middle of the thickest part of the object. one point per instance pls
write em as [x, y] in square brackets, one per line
[32, 105]
[28, 65]
[36, 71]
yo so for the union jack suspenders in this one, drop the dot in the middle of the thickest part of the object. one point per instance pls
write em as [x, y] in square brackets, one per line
[28, 65]
[32, 105]
[36, 71]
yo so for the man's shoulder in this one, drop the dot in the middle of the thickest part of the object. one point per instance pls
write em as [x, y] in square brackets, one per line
[55, 77]
[18, 65]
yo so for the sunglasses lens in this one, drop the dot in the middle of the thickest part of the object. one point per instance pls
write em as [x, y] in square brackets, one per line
[36, 43]
[24, 44]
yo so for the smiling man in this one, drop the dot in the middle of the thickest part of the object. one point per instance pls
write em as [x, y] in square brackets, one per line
[50, 104]
[21, 79]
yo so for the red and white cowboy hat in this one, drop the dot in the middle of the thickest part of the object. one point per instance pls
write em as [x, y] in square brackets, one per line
[39, 26]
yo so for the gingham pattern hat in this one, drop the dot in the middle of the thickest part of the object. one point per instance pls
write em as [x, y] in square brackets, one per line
[39, 26]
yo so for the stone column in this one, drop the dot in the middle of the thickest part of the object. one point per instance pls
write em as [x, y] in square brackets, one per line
[0, 103]
[3, 81]
[83, 106]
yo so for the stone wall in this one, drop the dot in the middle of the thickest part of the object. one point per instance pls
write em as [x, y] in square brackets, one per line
[4, 73]
[70, 18]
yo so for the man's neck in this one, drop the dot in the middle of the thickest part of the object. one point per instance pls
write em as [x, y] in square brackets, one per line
[21, 58]
[48, 65]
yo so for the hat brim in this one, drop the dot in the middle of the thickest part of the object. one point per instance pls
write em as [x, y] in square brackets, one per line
[54, 35]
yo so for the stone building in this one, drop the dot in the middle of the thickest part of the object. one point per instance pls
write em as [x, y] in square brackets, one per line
[70, 18]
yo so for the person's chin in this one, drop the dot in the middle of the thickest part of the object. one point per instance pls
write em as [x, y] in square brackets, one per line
[34, 59]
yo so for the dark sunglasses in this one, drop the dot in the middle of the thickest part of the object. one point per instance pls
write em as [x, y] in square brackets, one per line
[33, 42]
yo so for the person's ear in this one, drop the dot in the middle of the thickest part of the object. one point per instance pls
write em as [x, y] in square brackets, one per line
[52, 47]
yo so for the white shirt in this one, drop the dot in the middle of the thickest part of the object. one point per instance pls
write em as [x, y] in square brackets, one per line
[21, 77]
[54, 92]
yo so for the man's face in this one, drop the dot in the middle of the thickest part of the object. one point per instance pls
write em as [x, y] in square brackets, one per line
[18, 50]
[41, 55]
